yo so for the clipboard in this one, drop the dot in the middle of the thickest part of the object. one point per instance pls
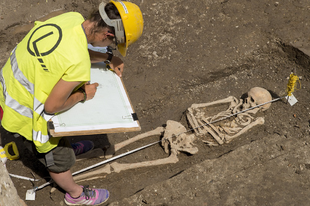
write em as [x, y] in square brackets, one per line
[110, 111]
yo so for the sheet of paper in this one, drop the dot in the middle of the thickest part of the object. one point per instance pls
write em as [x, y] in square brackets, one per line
[110, 108]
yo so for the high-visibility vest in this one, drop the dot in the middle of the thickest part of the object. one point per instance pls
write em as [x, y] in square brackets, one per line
[53, 50]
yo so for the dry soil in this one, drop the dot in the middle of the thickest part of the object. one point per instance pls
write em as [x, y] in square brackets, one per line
[196, 52]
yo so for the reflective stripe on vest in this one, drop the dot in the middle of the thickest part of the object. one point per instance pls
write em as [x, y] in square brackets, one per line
[21, 109]
[18, 74]
[12, 103]
[38, 107]
[37, 136]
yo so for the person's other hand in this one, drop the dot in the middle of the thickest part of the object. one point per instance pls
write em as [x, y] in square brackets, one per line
[90, 90]
[117, 65]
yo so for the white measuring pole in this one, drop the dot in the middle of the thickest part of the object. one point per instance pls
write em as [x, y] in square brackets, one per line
[101, 163]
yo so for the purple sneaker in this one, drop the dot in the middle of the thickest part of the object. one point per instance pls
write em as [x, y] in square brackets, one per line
[82, 147]
[88, 197]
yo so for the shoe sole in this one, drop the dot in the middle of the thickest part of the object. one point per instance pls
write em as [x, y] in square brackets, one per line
[68, 203]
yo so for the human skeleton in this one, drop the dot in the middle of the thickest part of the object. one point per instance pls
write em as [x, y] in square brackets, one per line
[176, 139]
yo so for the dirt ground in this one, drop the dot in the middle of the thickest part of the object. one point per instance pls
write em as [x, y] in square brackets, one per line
[196, 52]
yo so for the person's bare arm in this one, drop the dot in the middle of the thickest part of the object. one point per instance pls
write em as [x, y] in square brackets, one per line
[116, 63]
[96, 57]
[61, 97]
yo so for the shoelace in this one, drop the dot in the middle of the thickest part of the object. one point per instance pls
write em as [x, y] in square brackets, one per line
[89, 193]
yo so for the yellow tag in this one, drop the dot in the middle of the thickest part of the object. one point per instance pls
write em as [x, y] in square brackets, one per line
[291, 84]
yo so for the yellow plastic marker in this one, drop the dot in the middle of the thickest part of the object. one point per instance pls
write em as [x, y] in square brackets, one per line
[291, 84]
[291, 99]
[15, 150]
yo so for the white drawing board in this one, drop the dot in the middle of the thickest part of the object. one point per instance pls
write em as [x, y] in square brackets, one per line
[110, 111]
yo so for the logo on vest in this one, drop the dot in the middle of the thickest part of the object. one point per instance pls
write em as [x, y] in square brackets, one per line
[43, 41]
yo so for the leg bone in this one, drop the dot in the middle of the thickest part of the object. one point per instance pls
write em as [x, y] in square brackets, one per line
[110, 151]
[117, 167]
[81, 177]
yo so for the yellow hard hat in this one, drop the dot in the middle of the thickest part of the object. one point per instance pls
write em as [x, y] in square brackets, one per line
[129, 28]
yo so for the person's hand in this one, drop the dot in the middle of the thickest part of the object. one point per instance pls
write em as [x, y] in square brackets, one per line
[117, 65]
[90, 90]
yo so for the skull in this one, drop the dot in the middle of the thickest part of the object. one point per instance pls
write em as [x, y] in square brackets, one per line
[256, 96]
